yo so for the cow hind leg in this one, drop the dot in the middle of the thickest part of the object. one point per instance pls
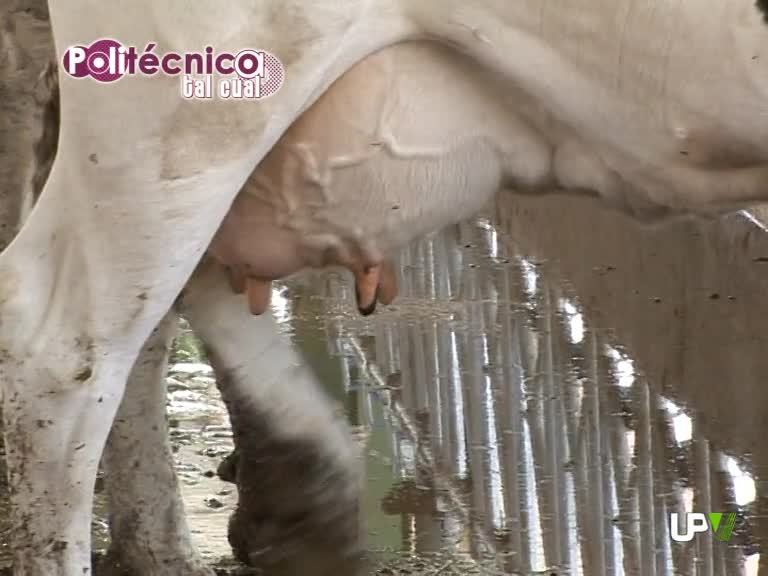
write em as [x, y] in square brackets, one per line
[297, 471]
[149, 533]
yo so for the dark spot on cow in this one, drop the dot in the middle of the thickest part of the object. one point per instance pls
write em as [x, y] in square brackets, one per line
[100, 400]
[93, 158]
[47, 142]
[762, 5]
[79, 447]
[142, 296]
[84, 374]
[85, 343]
[714, 296]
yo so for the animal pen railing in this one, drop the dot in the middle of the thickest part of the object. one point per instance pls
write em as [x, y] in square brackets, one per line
[520, 434]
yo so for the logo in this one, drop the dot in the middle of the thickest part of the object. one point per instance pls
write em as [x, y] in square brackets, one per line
[720, 523]
[249, 74]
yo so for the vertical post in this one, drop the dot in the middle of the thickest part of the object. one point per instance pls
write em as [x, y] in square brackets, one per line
[643, 446]
[702, 500]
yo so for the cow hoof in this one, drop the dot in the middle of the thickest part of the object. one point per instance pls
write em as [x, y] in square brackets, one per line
[122, 564]
[301, 509]
[289, 547]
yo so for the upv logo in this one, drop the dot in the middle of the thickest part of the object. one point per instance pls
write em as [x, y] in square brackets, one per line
[720, 523]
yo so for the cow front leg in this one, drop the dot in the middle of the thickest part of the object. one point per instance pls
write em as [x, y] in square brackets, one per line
[98, 263]
[141, 181]
[149, 531]
[77, 303]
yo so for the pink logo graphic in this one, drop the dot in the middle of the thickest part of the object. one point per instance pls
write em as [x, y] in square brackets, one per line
[249, 74]
[94, 61]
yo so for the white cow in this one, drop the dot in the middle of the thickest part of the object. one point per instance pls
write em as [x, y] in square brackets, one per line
[284, 514]
[656, 106]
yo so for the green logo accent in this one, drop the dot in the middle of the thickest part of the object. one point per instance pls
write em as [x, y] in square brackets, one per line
[723, 530]
[714, 519]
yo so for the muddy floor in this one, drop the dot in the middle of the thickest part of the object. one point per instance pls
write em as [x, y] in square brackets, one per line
[553, 382]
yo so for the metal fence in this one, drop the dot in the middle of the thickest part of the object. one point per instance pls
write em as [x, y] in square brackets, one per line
[526, 434]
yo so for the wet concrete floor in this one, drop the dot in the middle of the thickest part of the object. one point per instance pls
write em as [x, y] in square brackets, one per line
[553, 382]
